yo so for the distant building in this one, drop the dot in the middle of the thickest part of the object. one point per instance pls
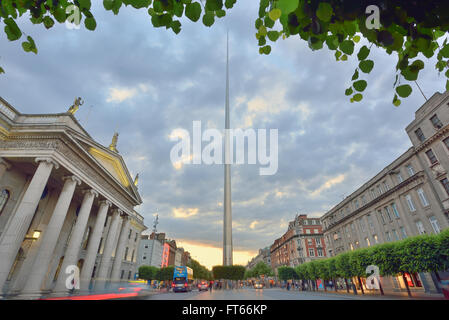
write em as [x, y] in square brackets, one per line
[263, 256]
[303, 242]
[150, 250]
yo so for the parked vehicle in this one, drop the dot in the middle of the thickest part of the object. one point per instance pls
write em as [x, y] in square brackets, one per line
[203, 286]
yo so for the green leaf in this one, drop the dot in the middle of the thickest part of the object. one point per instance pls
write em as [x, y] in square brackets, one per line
[90, 23]
[347, 46]
[445, 51]
[360, 85]
[1, 70]
[275, 14]
[273, 35]
[176, 26]
[220, 13]
[213, 5]
[324, 11]
[193, 11]
[266, 49]
[356, 75]
[209, 18]
[396, 101]
[288, 6]
[349, 91]
[48, 22]
[12, 30]
[108, 4]
[363, 53]
[447, 85]
[85, 4]
[344, 58]
[356, 39]
[404, 91]
[332, 42]
[358, 97]
[366, 65]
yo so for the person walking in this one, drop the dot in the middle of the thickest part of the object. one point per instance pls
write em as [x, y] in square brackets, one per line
[211, 283]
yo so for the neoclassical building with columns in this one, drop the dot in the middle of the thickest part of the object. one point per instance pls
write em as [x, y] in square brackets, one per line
[66, 201]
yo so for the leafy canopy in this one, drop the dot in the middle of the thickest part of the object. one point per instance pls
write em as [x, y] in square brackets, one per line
[415, 31]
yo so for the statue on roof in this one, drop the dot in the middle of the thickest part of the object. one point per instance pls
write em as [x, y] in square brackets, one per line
[76, 105]
[113, 145]
[136, 180]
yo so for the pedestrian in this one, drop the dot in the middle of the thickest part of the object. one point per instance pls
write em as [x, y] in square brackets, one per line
[210, 286]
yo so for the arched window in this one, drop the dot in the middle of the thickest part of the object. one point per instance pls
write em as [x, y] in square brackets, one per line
[4, 197]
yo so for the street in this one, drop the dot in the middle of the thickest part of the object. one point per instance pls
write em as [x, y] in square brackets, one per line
[260, 294]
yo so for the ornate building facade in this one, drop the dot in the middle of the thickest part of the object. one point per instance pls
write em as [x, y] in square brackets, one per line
[408, 197]
[65, 201]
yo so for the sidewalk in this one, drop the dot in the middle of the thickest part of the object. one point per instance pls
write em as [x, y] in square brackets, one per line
[377, 295]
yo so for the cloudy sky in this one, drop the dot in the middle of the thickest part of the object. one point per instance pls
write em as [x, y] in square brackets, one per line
[146, 82]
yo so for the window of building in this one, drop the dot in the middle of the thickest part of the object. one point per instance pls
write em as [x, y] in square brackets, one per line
[379, 190]
[420, 227]
[135, 238]
[446, 142]
[370, 221]
[395, 210]
[410, 170]
[381, 216]
[121, 274]
[420, 135]
[317, 230]
[435, 224]
[403, 232]
[307, 231]
[395, 234]
[4, 197]
[356, 204]
[305, 222]
[146, 246]
[320, 252]
[368, 243]
[445, 183]
[309, 242]
[130, 232]
[318, 241]
[387, 236]
[410, 204]
[373, 194]
[352, 227]
[436, 122]
[311, 252]
[362, 225]
[129, 275]
[387, 211]
[126, 254]
[432, 158]
[422, 197]
[399, 177]
[132, 255]
[386, 186]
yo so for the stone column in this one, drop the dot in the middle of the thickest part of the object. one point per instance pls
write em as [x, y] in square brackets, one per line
[107, 253]
[13, 236]
[50, 237]
[3, 167]
[115, 275]
[73, 249]
[92, 249]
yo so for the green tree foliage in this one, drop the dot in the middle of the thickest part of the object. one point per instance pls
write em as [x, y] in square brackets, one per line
[199, 271]
[261, 269]
[229, 272]
[287, 273]
[414, 31]
[165, 274]
[148, 272]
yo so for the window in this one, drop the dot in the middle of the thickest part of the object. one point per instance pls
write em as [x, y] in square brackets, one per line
[370, 221]
[129, 275]
[379, 190]
[137, 235]
[399, 177]
[420, 135]
[132, 256]
[130, 232]
[435, 225]
[311, 252]
[4, 197]
[381, 216]
[356, 204]
[404, 234]
[445, 183]
[446, 142]
[395, 234]
[422, 197]
[363, 200]
[368, 243]
[410, 170]
[320, 252]
[420, 227]
[387, 210]
[307, 231]
[362, 225]
[373, 195]
[305, 222]
[432, 158]
[436, 122]
[387, 235]
[352, 227]
[395, 210]
[144, 258]
[318, 241]
[121, 275]
[309, 242]
[386, 186]
[317, 231]
[409, 200]
[126, 254]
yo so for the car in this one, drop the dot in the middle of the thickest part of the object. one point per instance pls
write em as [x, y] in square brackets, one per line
[258, 285]
[203, 286]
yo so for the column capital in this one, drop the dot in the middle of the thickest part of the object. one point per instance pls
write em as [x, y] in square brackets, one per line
[73, 178]
[91, 191]
[118, 211]
[48, 160]
[105, 203]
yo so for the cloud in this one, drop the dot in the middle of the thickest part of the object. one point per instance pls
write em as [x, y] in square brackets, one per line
[328, 184]
[184, 212]
[120, 94]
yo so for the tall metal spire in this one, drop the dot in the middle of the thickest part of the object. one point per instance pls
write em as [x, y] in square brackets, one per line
[227, 204]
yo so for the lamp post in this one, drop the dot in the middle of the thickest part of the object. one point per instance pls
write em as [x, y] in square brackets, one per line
[156, 221]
